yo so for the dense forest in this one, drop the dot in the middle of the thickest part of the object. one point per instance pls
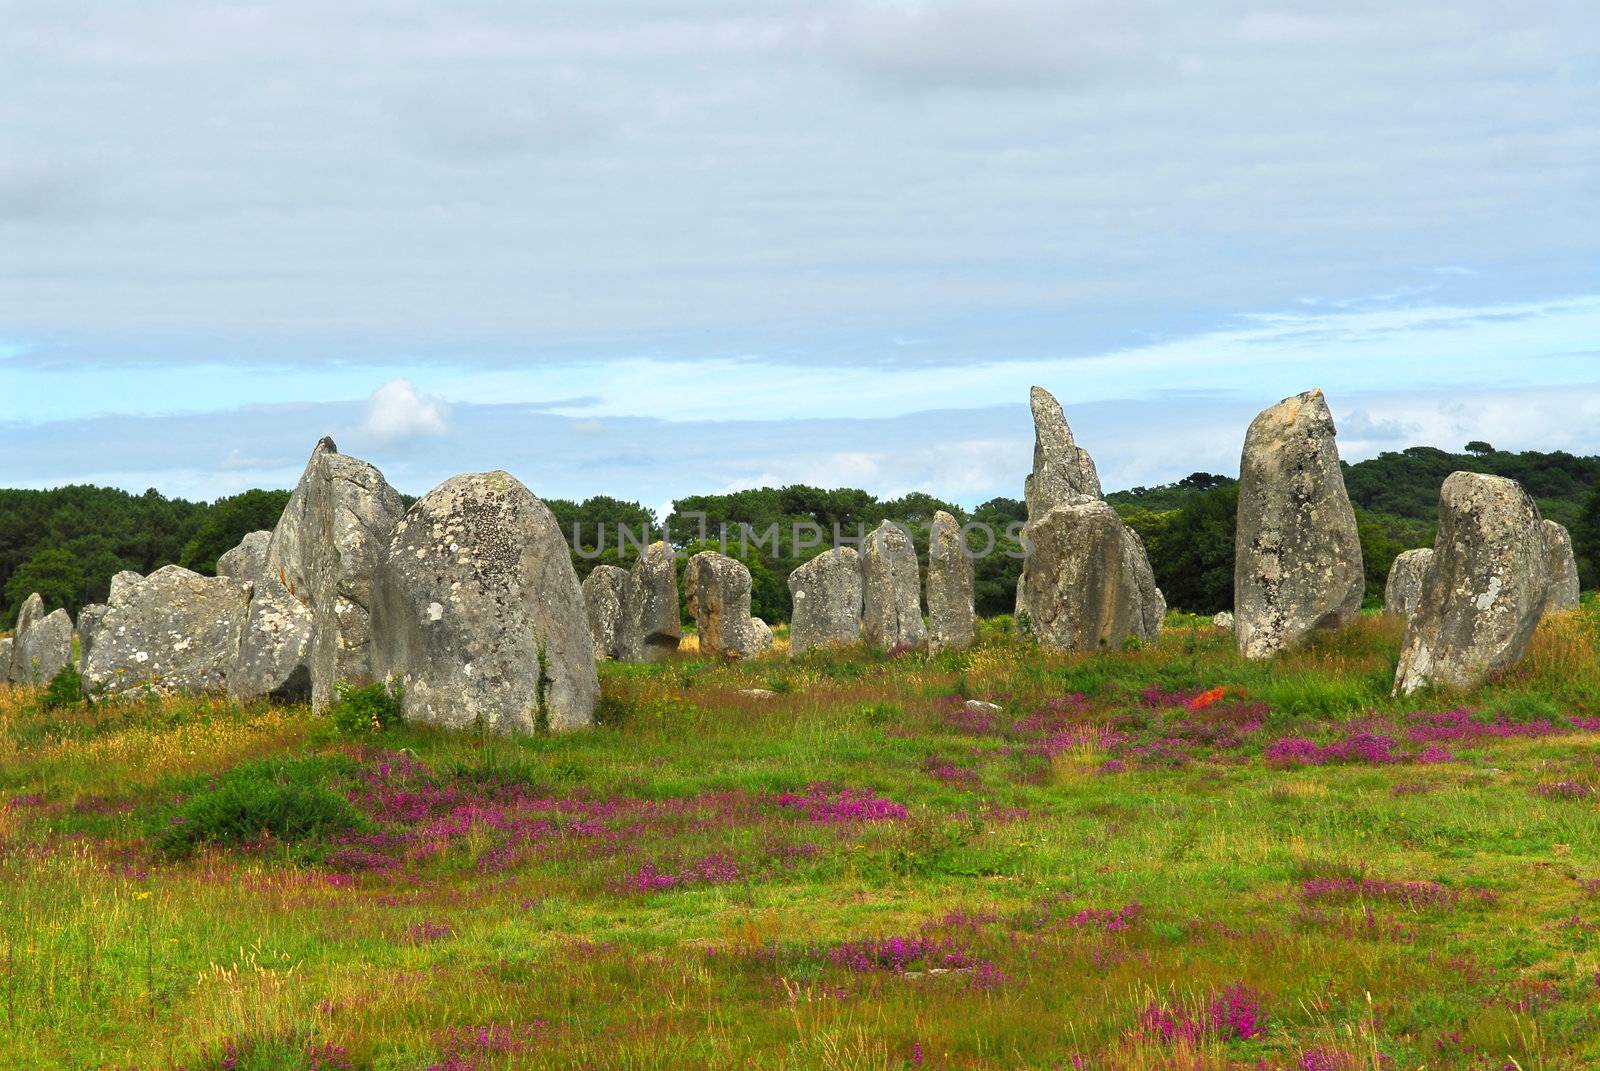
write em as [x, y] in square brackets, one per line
[67, 543]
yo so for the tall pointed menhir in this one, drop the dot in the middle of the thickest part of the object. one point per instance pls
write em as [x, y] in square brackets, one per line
[1297, 555]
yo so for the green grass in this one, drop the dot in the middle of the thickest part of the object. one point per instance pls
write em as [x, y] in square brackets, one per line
[192, 883]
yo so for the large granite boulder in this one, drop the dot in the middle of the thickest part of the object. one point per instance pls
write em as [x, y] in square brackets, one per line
[123, 583]
[42, 643]
[274, 660]
[89, 620]
[602, 602]
[248, 560]
[763, 635]
[8, 644]
[718, 590]
[1484, 593]
[1063, 472]
[952, 622]
[826, 596]
[1136, 567]
[1561, 567]
[1297, 560]
[652, 619]
[1404, 587]
[174, 631]
[477, 613]
[1080, 593]
[322, 553]
[891, 590]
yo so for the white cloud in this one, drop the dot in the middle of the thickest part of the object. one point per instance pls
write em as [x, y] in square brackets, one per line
[397, 411]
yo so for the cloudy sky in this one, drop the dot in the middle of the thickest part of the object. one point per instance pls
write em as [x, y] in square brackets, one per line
[649, 248]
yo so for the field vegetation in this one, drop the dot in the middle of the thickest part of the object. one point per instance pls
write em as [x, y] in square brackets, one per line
[1149, 858]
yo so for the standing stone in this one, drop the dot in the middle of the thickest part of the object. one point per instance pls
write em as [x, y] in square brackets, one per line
[602, 602]
[826, 594]
[1404, 587]
[952, 622]
[174, 631]
[1297, 560]
[718, 588]
[1136, 566]
[89, 619]
[1484, 593]
[891, 591]
[42, 643]
[763, 634]
[1561, 566]
[1062, 470]
[652, 620]
[1080, 593]
[477, 613]
[1222, 620]
[8, 644]
[323, 553]
[248, 560]
[1064, 475]
[275, 647]
[123, 583]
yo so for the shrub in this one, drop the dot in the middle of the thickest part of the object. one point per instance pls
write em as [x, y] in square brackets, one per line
[65, 690]
[371, 708]
[285, 801]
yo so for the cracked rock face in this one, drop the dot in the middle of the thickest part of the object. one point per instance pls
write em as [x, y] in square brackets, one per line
[1080, 592]
[1063, 471]
[1297, 560]
[1404, 587]
[718, 589]
[248, 560]
[826, 595]
[1484, 593]
[478, 615]
[952, 622]
[173, 631]
[891, 590]
[652, 625]
[41, 643]
[1561, 566]
[322, 554]
[602, 602]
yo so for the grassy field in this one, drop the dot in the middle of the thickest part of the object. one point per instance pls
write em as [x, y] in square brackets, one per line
[1143, 859]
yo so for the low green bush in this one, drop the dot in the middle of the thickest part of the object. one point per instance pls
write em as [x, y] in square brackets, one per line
[370, 708]
[288, 801]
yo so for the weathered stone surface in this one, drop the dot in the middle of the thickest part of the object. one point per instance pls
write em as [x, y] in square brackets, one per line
[1080, 592]
[248, 560]
[275, 646]
[1561, 567]
[123, 583]
[952, 622]
[42, 643]
[826, 596]
[1136, 567]
[1222, 620]
[89, 620]
[323, 552]
[891, 590]
[652, 619]
[1297, 561]
[602, 602]
[763, 635]
[174, 631]
[7, 646]
[477, 612]
[1063, 472]
[1404, 587]
[1484, 593]
[718, 589]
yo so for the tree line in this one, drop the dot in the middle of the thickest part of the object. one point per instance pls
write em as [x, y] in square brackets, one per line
[68, 542]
